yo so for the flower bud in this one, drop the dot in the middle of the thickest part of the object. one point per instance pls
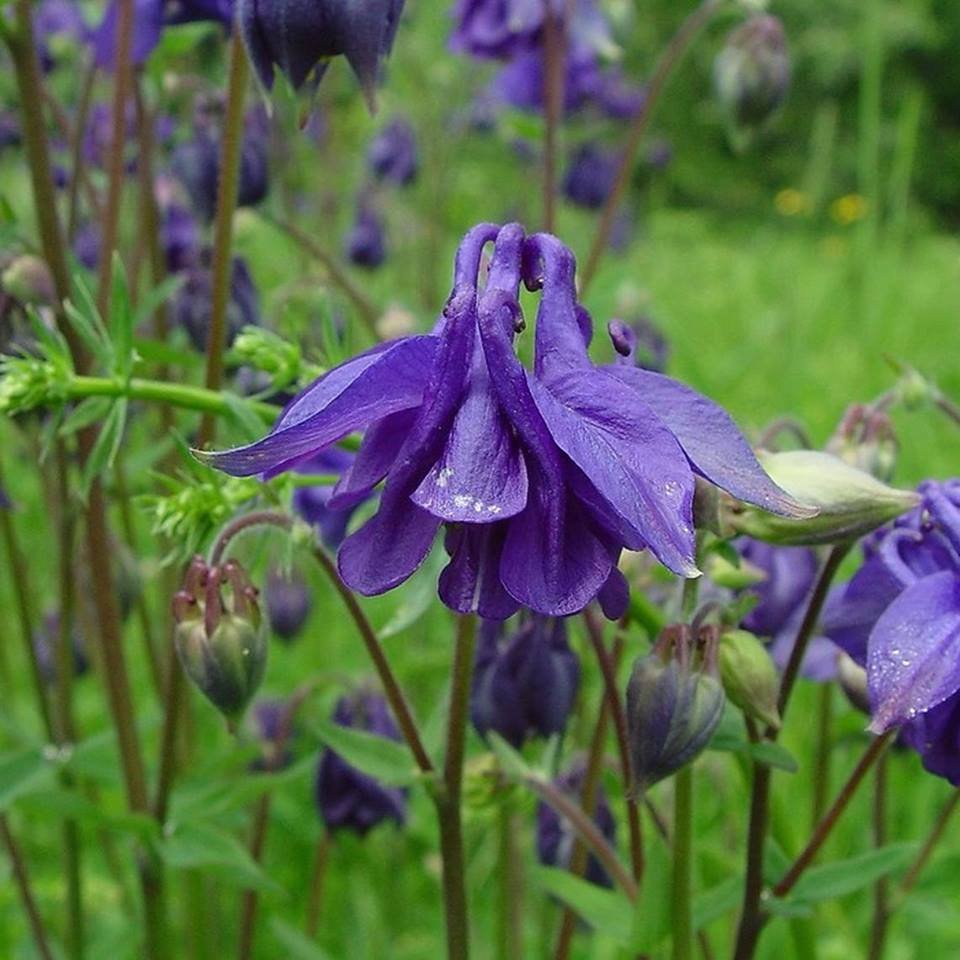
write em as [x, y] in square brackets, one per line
[392, 154]
[865, 439]
[288, 603]
[590, 175]
[273, 726]
[366, 243]
[749, 676]
[673, 706]
[45, 643]
[28, 279]
[850, 502]
[751, 74]
[222, 646]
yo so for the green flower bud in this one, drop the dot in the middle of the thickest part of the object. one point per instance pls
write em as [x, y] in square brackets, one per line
[749, 676]
[865, 439]
[850, 501]
[222, 646]
[673, 707]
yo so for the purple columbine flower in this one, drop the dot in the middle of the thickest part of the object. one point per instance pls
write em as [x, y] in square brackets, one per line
[590, 175]
[366, 243]
[521, 82]
[640, 343]
[313, 503]
[539, 477]
[45, 642]
[55, 19]
[273, 725]
[524, 684]
[192, 303]
[392, 154]
[299, 37]
[899, 616]
[149, 19]
[347, 798]
[288, 603]
[555, 836]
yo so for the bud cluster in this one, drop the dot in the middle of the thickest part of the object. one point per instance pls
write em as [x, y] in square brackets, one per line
[219, 636]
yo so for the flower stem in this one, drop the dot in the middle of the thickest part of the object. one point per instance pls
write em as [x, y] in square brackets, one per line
[22, 879]
[554, 55]
[881, 889]
[826, 825]
[510, 874]
[231, 144]
[248, 911]
[910, 878]
[682, 863]
[669, 59]
[448, 799]
[173, 696]
[259, 518]
[317, 876]
[821, 758]
[618, 715]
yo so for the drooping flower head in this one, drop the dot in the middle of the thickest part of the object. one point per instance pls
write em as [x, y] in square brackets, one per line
[288, 603]
[899, 616]
[366, 243]
[539, 478]
[524, 684]
[590, 175]
[392, 154]
[312, 502]
[347, 798]
[299, 37]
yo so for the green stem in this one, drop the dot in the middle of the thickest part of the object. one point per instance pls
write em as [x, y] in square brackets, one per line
[910, 878]
[554, 53]
[682, 864]
[248, 911]
[821, 759]
[231, 145]
[510, 875]
[22, 879]
[448, 799]
[881, 889]
[318, 875]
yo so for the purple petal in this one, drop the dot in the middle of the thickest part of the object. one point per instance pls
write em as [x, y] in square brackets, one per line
[470, 583]
[382, 381]
[614, 596]
[631, 459]
[913, 660]
[711, 440]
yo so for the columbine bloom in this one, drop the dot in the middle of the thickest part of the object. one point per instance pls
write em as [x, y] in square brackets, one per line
[366, 243]
[899, 616]
[640, 343]
[392, 154]
[555, 836]
[312, 503]
[53, 20]
[524, 685]
[591, 172]
[539, 477]
[149, 19]
[288, 603]
[299, 37]
[347, 798]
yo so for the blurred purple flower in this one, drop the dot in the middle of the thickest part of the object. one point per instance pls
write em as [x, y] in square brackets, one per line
[366, 243]
[192, 302]
[789, 576]
[347, 798]
[524, 684]
[273, 723]
[313, 503]
[45, 642]
[52, 20]
[288, 603]
[555, 836]
[540, 477]
[899, 616]
[520, 83]
[392, 154]
[590, 175]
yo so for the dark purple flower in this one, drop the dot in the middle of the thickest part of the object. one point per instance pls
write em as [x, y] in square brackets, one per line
[298, 37]
[313, 502]
[521, 82]
[192, 303]
[149, 19]
[288, 603]
[590, 175]
[45, 643]
[555, 836]
[899, 616]
[789, 573]
[392, 154]
[52, 20]
[181, 238]
[641, 343]
[196, 164]
[524, 684]
[273, 725]
[347, 798]
[540, 478]
[366, 243]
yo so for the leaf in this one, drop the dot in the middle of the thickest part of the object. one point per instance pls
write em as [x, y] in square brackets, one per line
[417, 597]
[23, 772]
[847, 876]
[243, 417]
[89, 411]
[607, 911]
[86, 320]
[380, 758]
[773, 755]
[295, 945]
[202, 846]
[715, 902]
[513, 766]
[70, 805]
[121, 319]
[155, 298]
[729, 739]
[107, 445]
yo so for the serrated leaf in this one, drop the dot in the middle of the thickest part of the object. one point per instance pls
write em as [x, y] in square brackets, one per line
[85, 318]
[380, 758]
[295, 945]
[847, 876]
[202, 846]
[23, 772]
[605, 910]
[107, 445]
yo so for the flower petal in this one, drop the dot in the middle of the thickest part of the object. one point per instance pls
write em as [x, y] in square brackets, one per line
[633, 461]
[913, 660]
[382, 381]
[614, 596]
[711, 440]
[470, 583]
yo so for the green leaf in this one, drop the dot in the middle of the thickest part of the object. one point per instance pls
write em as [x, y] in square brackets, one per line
[295, 945]
[243, 417]
[23, 772]
[838, 879]
[107, 445]
[155, 298]
[607, 911]
[69, 805]
[85, 319]
[121, 319]
[512, 764]
[202, 846]
[89, 411]
[773, 755]
[715, 902]
[417, 597]
[380, 758]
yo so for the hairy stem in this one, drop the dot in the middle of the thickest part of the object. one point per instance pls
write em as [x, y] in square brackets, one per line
[232, 142]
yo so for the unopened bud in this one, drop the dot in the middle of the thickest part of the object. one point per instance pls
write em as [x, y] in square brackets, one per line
[751, 74]
[749, 676]
[28, 279]
[288, 603]
[221, 644]
[865, 439]
[850, 501]
[673, 707]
